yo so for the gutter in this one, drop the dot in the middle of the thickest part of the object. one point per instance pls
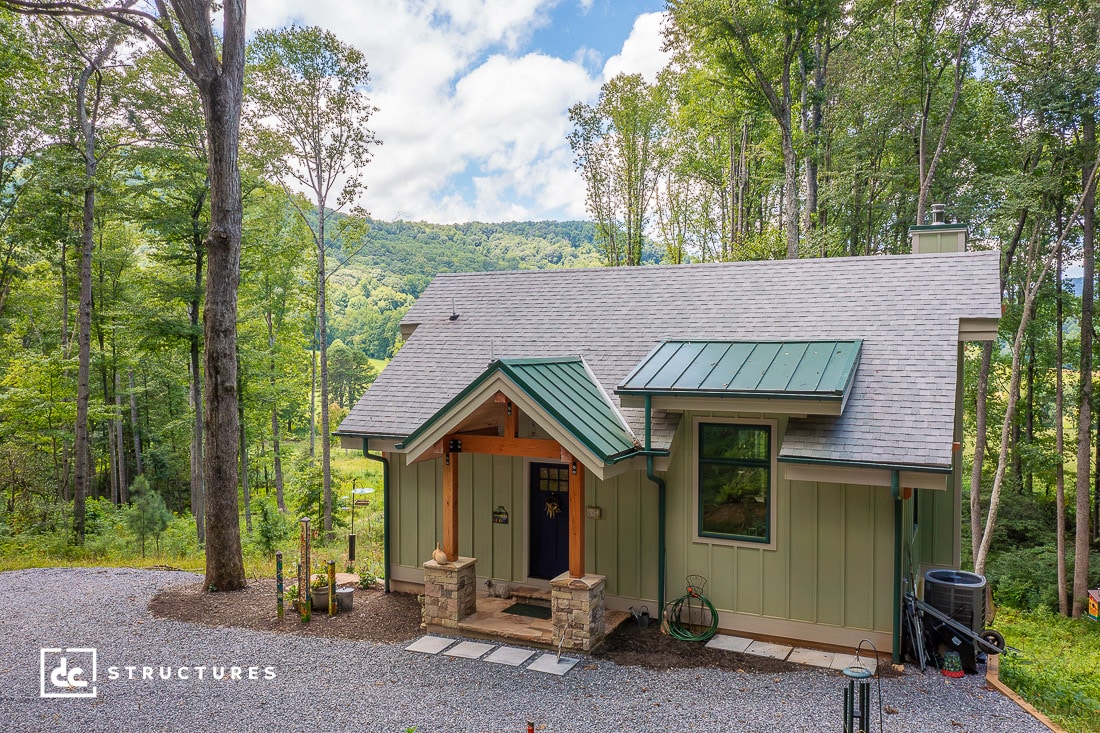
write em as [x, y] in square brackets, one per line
[385, 512]
[895, 491]
[915, 467]
[662, 506]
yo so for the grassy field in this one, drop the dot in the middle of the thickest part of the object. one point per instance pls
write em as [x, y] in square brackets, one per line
[1058, 669]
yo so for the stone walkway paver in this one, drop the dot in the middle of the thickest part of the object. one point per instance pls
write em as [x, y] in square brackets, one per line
[507, 655]
[468, 650]
[551, 664]
[430, 644]
[771, 651]
[795, 655]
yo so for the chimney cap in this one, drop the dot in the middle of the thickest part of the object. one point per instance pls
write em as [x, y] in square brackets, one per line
[939, 213]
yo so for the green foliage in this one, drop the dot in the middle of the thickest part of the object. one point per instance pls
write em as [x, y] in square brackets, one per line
[1059, 668]
[367, 579]
[148, 516]
[306, 481]
[273, 528]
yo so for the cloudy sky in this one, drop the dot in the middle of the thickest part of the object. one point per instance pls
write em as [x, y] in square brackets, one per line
[473, 95]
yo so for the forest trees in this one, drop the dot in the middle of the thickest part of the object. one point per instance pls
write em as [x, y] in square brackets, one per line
[310, 86]
[214, 61]
[615, 148]
[822, 129]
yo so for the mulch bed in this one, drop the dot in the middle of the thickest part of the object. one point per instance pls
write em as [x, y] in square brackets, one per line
[395, 618]
[375, 615]
[637, 647]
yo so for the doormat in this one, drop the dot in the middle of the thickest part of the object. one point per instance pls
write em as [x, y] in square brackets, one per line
[528, 609]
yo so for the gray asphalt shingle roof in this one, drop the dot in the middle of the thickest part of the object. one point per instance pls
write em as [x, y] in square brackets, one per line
[905, 309]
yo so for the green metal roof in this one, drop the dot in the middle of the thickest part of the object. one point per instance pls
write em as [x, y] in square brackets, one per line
[566, 389]
[804, 369]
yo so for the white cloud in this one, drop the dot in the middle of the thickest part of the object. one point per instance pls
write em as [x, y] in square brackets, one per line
[641, 52]
[472, 127]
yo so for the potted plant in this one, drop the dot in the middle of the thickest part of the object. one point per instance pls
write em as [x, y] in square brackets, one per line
[318, 588]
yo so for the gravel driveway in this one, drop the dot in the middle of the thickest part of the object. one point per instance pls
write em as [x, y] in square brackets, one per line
[325, 685]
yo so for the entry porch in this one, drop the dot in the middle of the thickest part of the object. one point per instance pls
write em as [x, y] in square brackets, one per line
[576, 431]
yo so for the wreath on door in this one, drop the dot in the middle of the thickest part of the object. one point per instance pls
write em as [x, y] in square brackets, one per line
[553, 508]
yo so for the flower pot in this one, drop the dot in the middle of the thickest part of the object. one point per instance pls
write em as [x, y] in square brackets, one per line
[320, 598]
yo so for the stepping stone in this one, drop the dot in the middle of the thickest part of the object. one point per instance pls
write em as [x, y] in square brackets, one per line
[812, 657]
[510, 655]
[729, 643]
[550, 664]
[468, 650]
[771, 651]
[430, 644]
[842, 661]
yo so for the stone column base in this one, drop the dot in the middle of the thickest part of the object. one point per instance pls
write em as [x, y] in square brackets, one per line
[450, 591]
[578, 611]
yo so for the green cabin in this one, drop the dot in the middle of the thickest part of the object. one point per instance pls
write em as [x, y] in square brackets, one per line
[790, 430]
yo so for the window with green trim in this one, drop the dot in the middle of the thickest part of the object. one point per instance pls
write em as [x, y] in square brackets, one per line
[735, 481]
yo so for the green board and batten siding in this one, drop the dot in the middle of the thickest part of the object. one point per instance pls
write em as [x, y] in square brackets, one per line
[619, 545]
[833, 559]
[832, 565]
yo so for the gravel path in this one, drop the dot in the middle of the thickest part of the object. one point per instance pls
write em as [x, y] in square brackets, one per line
[326, 685]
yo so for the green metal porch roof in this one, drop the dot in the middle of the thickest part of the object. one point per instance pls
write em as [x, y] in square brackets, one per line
[566, 389]
[803, 369]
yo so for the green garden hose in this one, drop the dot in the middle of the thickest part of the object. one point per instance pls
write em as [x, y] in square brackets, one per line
[678, 628]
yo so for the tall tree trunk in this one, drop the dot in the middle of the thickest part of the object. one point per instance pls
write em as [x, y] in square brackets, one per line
[981, 408]
[134, 425]
[790, 186]
[221, 96]
[313, 394]
[1060, 444]
[322, 333]
[276, 458]
[81, 442]
[981, 439]
[813, 116]
[198, 483]
[120, 450]
[198, 493]
[1084, 423]
[1029, 421]
[927, 176]
[243, 451]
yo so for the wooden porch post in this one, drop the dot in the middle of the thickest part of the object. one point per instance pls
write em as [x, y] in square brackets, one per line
[450, 506]
[576, 518]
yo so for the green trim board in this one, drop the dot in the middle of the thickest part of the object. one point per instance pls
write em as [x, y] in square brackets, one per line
[565, 388]
[822, 370]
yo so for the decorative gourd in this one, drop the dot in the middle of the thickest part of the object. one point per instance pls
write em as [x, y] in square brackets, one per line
[439, 555]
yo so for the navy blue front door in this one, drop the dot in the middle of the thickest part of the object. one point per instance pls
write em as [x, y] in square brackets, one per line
[549, 520]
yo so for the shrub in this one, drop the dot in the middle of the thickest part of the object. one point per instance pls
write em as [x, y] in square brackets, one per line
[273, 528]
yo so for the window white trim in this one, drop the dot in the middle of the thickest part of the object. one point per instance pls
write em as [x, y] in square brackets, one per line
[773, 479]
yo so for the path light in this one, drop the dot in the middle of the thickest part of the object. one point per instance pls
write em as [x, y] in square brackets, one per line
[857, 698]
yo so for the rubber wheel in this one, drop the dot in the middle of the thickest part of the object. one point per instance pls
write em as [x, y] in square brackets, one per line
[994, 639]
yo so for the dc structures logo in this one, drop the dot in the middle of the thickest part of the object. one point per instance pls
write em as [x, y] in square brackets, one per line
[67, 672]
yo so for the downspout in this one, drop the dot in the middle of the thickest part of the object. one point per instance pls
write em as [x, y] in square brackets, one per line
[385, 513]
[895, 491]
[661, 509]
